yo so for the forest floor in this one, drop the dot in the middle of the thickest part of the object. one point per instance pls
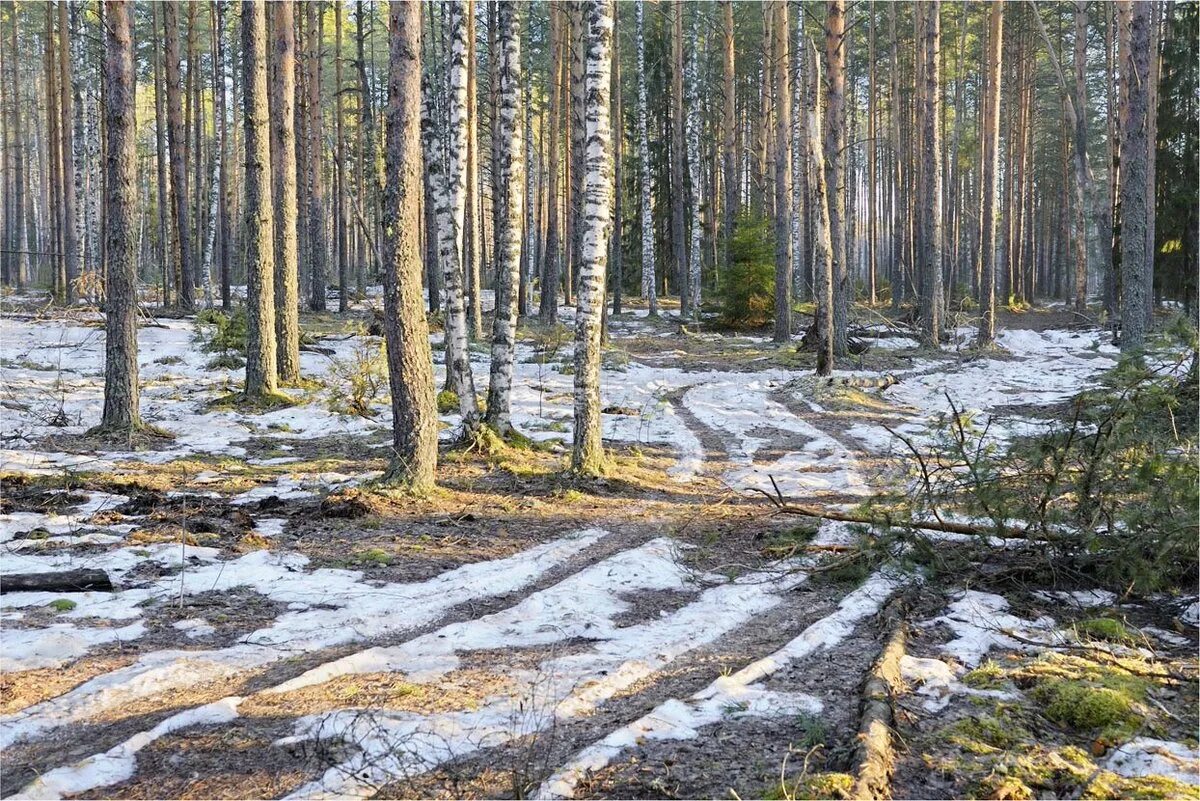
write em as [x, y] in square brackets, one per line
[281, 628]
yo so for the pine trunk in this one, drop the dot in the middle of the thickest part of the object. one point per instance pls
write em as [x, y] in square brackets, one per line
[822, 240]
[318, 244]
[176, 134]
[283, 160]
[989, 179]
[552, 256]
[1135, 152]
[781, 62]
[835, 146]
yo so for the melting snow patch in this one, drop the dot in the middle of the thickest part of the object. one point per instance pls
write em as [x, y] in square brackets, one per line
[118, 763]
[1148, 757]
[1191, 615]
[979, 622]
[57, 644]
[194, 627]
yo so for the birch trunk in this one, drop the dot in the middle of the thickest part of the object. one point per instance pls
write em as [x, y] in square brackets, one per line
[587, 456]
[695, 252]
[448, 178]
[649, 277]
[508, 236]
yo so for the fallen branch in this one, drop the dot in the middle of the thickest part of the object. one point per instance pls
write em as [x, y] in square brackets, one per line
[62, 581]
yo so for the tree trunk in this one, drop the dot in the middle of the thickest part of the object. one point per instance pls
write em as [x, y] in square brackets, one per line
[781, 62]
[678, 148]
[552, 256]
[692, 125]
[223, 227]
[587, 456]
[340, 218]
[510, 182]
[835, 146]
[1135, 151]
[261, 375]
[728, 123]
[70, 234]
[21, 241]
[472, 268]
[318, 245]
[872, 234]
[283, 161]
[121, 413]
[649, 277]
[448, 180]
[575, 225]
[822, 240]
[988, 180]
[618, 125]
[176, 134]
[410, 363]
[931, 295]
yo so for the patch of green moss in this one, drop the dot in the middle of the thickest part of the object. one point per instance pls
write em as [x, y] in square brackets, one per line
[239, 401]
[374, 556]
[1068, 772]
[61, 605]
[985, 734]
[447, 402]
[1106, 629]
[815, 785]
[988, 676]
[1085, 707]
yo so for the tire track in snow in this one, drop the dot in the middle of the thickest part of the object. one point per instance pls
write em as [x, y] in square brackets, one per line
[359, 611]
[740, 693]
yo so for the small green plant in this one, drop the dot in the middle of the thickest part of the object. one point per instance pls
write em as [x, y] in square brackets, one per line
[358, 380]
[221, 332]
[1107, 629]
[61, 605]
[375, 556]
[747, 288]
[447, 402]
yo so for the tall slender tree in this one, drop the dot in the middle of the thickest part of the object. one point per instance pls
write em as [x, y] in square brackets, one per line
[649, 277]
[317, 233]
[931, 282]
[728, 124]
[508, 242]
[261, 375]
[822, 241]
[781, 64]
[989, 183]
[1135, 152]
[283, 162]
[552, 257]
[176, 136]
[410, 362]
[835, 155]
[70, 230]
[121, 414]
[224, 229]
[692, 126]
[678, 149]
[587, 455]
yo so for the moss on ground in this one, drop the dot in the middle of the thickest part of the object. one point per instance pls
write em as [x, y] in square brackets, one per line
[815, 785]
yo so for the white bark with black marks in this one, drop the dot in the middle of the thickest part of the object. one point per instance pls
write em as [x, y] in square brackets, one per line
[649, 278]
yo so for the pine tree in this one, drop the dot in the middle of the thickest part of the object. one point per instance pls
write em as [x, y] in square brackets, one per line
[121, 399]
[781, 62]
[410, 362]
[990, 179]
[176, 134]
[318, 246]
[283, 162]
[261, 376]
[931, 283]
[823, 275]
[1135, 151]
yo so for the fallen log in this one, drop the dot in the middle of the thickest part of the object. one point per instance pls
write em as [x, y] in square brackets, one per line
[61, 581]
[873, 752]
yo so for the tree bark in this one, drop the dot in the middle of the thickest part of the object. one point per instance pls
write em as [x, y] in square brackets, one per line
[822, 240]
[510, 181]
[121, 400]
[728, 123]
[678, 148]
[649, 277]
[261, 375]
[587, 455]
[223, 227]
[283, 161]
[176, 134]
[1135, 151]
[318, 244]
[783, 174]
[410, 363]
[552, 257]
[988, 181]
[692, 126]
[931, 295]
[340, 218]
[835, 146]
[70, 232]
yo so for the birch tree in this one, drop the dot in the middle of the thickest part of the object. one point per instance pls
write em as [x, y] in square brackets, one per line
[121, 400]
[649, 278]
[448, 180]
[261, 376]
[508, 239]
[410, 362]
[587, 455]
[692, 285]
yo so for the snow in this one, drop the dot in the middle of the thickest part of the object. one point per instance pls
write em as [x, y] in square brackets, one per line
[350, 610]
[1145, 756]
[57, 644]
[119, 762]
[979, 623]
[1191, 615]
[738, 694]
